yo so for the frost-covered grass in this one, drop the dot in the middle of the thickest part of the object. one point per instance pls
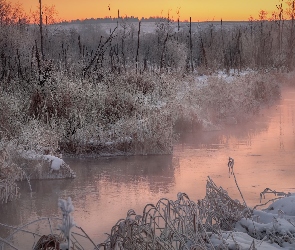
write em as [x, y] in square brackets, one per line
[214, 222]
[130, 113]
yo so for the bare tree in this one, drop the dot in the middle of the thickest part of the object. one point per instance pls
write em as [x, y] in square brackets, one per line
[41, 28]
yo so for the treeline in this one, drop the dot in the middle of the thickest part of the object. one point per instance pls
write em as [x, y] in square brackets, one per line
[260, 44]
[113, 20]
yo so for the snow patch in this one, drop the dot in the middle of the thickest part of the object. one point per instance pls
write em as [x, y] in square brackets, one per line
[286, 205]
[55, 161]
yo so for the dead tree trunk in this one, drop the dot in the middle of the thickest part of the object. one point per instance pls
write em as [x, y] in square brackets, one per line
[41, 29]
[163, 51]
[191, 44]
[136, 59]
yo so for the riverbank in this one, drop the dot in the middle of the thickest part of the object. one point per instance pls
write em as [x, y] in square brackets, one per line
[124, 115]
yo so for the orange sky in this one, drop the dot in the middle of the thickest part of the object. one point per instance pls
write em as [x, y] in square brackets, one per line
[199, 10]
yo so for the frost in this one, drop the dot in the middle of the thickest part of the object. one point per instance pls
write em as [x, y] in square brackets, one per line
[55, 162]
[68, 223]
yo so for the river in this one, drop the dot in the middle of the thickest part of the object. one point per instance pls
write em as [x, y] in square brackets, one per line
[106, 188]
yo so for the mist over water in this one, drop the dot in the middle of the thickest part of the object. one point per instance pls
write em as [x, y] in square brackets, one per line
[105, 189]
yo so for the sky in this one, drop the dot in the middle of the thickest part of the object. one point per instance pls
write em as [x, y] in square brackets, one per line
[198, 10]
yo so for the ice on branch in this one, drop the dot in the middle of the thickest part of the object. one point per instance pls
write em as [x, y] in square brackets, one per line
[68, 223]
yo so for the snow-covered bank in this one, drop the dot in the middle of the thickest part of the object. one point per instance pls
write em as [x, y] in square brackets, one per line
[17, 164]
[273, 227]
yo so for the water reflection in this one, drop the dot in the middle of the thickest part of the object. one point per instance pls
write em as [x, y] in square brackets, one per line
[105, 189]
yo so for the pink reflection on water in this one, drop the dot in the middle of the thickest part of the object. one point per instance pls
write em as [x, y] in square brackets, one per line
[263, 152]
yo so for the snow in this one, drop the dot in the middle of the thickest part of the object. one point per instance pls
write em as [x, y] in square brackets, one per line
[30, 155]
[55, 161]
[242, 241]
[270, 228]
[287, 205]
[229, 77]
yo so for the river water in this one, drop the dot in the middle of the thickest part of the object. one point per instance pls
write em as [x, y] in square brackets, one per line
[105, 189]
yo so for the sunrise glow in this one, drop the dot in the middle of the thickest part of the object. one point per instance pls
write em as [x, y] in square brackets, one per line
[198, 10]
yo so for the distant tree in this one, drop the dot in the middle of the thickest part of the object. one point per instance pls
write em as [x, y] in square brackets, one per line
[290, 11]
[5, 10]
[263, 15]
[49, 13]
[12, 13]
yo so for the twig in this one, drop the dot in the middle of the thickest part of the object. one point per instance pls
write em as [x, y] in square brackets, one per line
[274, 199]
[231, 171]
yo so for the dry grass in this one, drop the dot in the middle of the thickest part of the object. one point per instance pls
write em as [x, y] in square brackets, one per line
[9, 174]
